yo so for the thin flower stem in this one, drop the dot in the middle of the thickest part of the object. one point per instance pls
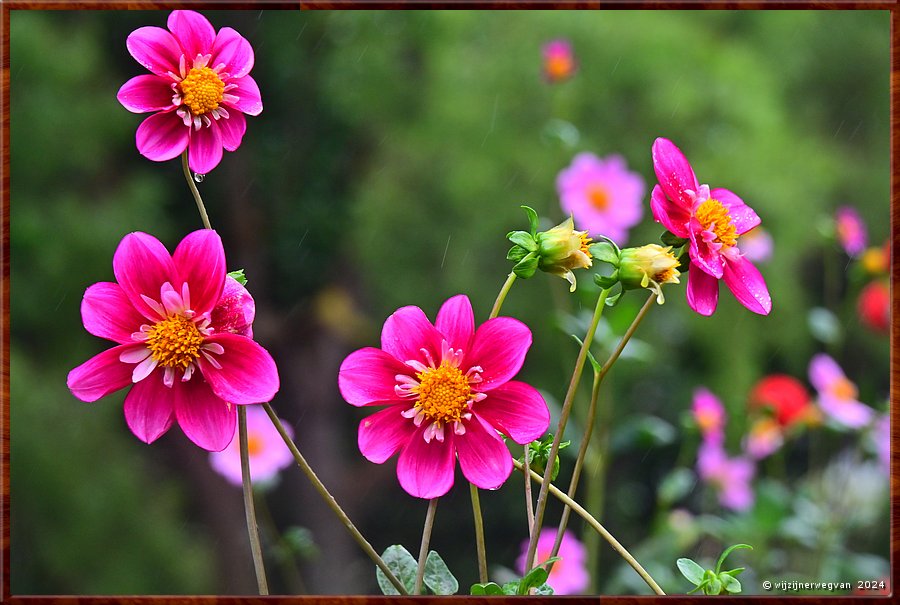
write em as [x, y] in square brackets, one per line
[510, 279]
[589, 422]
[479, 534]
[332, 503]
[249, 511]
[426, 539]
[194, 190]
[529, 500]
[596, 525]
[541, 505]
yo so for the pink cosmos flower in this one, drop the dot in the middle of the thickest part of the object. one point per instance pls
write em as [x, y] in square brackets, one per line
[448, 391]
[712, 220]
[837, 395]
[559, 60]
[756, 245]
[199, 88]
[179, 325]
[267, 451]
[764, 438]
[730, 477]
[709, 414]
[602, 194]
[569, 575]
[851, 230]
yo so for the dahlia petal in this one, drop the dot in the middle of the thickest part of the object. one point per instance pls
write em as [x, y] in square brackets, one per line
[247, 373]
[205, 148]
[499, 347]
[100, 375]
[206, 419]
[146, 93]
[742, 215]
[154, 48]
[674, 172]
[232, 130]
[407, 331]
[456, 322]
[849, 412]
[162, 136]
[517, 410]
[249, 98]
[150, 409]
[824, 371]
[383, 433]
[142, 265]
[702, 291]
[200, 261]
[193, 31]
[483, 456]
[672, 216]
[425, 470]
[704, 255]
[107, 313]
[748, 286]
[367, 376]
[234, 51]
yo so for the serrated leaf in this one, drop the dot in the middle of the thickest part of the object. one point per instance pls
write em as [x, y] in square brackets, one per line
[604, 252]
[402, 564]
[524, 239]
[727, 552]
[690, 570]
[670, 239]
[516, 253]
[526, 267]
[532, 219]
[238, 276]
[438, 577]
[730, 583]
[488, 588]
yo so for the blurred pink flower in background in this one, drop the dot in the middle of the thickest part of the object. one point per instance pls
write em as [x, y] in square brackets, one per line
[730, 477]
[712, 220]
[756, 245]
[602, 194]
[182, 354]
[267, 451]
[199, 90]
[851, 230]
[709, 414]
[764, 438]
[569, 575]
[558, 60]
[837, 395]
[449, 391]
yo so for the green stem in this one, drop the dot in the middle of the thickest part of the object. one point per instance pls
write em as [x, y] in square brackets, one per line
[597, 526]
[510, 279]
[628, 334]
[541, 506]
[423, 550]
[479, 534]
[194, 190]
[249, 511]
[332, 503]
[529, 499]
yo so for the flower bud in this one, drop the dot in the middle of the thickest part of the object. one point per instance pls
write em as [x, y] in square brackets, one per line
[562, 249]
[649, 267]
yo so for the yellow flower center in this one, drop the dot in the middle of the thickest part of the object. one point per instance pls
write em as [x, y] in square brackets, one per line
[202, 90]
[443, 393]
[255, 444]
[715, 217]
[707, 420]
[559, 66]
[842, 389]
[175, 342]
[585, 242]
[598, 196]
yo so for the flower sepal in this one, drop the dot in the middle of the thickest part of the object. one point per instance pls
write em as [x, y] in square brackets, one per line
[670, 239]
[539, 453]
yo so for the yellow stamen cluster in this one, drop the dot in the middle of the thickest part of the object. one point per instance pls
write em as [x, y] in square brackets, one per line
[254, 444]
[175, 342]
[585, 242]
[202, 90]
[598, 195]
[443, 393]
[843, 389]
[713, 215]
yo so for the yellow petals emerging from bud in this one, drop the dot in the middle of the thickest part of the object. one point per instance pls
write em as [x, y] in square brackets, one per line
[562, 250]
[649, 267]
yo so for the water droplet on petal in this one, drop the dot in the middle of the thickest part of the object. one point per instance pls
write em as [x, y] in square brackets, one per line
[199, 177]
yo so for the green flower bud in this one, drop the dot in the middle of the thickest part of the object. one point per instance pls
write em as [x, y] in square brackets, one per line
[562, 250]
[649, 267]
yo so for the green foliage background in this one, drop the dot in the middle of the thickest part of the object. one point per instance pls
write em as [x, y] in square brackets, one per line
[389, 162]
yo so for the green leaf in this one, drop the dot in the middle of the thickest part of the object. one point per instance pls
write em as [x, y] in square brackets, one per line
[604, 252]
[611, 243]
[606, 281]
[670, 239]
[734, 572]
[402, 564]
[524, 239]
[594, 363]
[532, 220]
[730, 583]
[438, 577]
[526, 267]
[238, 276]
[714, 587]
[690, 570]
[511, 588]
[534, 578]
[728, 552]
[488, 588]
[543, 589]
[612, 300]
[516, 253]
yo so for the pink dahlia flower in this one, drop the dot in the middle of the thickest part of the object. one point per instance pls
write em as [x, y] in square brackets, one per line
[267, 451]
[851, 230]
[559, 60]
[709, 414]
[180, 344]
[837, 395]
[569, 575]
[199, 90]
[712, 220]
[602, 194]
[448, 389]
[730, 477]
